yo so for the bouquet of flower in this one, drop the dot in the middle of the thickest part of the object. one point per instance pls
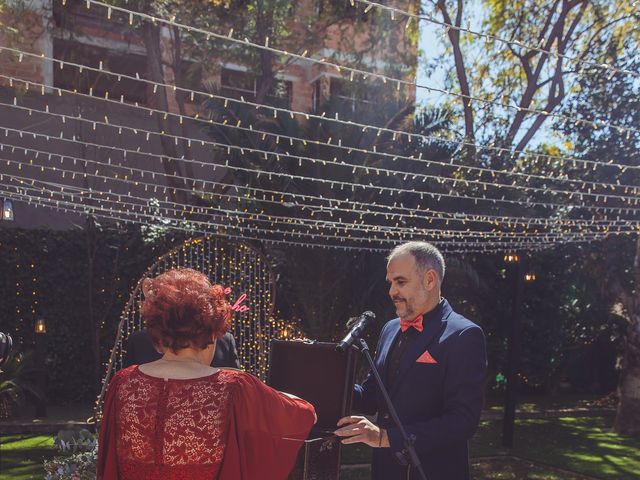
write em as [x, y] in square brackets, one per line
[81, 464]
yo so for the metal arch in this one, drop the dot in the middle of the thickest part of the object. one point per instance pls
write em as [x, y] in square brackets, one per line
[130, 305]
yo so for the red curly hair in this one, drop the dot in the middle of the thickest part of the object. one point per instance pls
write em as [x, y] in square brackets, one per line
[181, 308]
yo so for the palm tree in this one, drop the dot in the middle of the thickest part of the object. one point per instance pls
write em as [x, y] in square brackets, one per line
[17, 383]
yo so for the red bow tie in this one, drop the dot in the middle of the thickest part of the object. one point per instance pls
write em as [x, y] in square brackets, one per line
[415, 323]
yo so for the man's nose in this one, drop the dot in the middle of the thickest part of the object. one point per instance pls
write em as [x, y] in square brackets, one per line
[392, 291]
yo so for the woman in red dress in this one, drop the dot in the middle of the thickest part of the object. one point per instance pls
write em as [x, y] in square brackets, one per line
[179, 418]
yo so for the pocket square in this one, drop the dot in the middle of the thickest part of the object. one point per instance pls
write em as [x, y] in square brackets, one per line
[426, 358]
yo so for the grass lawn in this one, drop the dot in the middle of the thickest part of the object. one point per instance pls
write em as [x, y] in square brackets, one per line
[542, 402]
[21, 457]
[582, 445]
[545, 449]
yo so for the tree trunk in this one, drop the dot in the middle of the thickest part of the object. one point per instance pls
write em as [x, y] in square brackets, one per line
[151, 35]
[628, 416]
[461, 72]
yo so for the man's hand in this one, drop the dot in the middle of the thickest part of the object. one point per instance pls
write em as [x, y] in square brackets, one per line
[361, 430]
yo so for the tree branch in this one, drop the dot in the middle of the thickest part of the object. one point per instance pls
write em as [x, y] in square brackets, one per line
[532, 82]
[454, 38]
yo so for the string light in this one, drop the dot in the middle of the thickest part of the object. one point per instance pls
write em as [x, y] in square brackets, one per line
[458, 248]
[488, 36]
[414, 215]
[352, 185]
[286, 221]
[362, 73]
[512, 153]
[48, 185]
[255, 216]
[253, 229]
[439, 195]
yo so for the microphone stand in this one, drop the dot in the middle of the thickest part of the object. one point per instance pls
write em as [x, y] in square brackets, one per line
[409, 449]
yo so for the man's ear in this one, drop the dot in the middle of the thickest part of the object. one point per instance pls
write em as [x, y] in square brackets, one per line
[430, 279]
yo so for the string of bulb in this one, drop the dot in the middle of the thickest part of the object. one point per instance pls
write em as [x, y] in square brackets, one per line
[253, 233]
[635, 200]
[488, 36]
[345, 206]
[549, 158]
[340, 68]
[630, 191]
[224, 214]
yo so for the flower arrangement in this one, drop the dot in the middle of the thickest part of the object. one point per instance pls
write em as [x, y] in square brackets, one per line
[78, 462]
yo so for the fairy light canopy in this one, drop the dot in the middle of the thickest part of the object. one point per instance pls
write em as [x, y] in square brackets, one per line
[347, 195]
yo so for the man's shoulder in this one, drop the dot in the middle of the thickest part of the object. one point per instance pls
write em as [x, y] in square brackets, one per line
[227, 338]
[138, 336]
[460, 322]
[457, 326]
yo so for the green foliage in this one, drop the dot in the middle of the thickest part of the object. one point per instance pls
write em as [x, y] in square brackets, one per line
[612, 98]
[582, 445]
[9, 11]
[75, 441]
[17, 383]
[585, 445]
[62, 277]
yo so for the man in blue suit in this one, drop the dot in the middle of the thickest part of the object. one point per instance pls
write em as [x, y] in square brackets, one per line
[433, 363]
[139, 349]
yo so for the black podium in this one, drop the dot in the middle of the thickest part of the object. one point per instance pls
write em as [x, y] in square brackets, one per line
[324, 377]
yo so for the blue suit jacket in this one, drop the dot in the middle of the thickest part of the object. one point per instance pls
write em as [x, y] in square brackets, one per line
[438, 403]
[139, 349]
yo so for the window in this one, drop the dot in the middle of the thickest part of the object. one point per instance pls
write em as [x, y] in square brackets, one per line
[192, 78]
[349, 96]
[238, 84]
[75, 16]
[99, 83]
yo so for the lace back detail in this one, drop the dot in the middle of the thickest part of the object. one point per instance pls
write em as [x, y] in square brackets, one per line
[172, 423]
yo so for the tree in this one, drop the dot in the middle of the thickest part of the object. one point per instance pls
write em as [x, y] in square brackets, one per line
[616, 98]
[522, 76]
[551, 62]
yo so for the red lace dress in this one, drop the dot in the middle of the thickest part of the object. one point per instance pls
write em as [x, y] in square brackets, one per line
[227, 426]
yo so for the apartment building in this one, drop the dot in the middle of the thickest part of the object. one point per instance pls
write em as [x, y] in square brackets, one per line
[112, 44]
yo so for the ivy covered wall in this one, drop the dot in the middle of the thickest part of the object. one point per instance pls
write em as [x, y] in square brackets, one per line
[78, 282]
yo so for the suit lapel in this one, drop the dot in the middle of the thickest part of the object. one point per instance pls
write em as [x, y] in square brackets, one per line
[385, 345]
[433, 329]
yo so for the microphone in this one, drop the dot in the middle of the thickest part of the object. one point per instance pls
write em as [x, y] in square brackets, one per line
[356, 331]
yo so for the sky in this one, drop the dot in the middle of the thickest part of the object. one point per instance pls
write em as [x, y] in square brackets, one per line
[431, 45]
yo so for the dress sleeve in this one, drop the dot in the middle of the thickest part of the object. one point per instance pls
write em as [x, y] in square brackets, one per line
[107, 464]
[267, 428]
